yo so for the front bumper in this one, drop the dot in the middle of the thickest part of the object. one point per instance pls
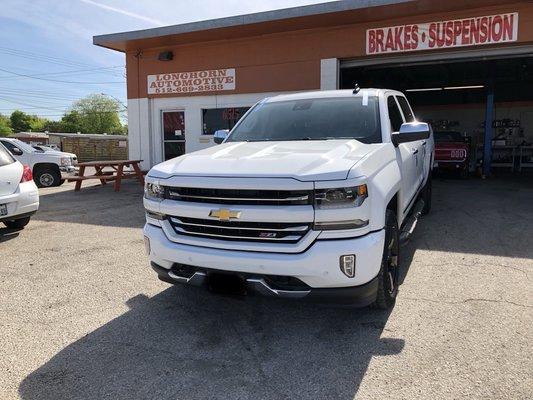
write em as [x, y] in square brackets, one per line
[357, 296]
[317, 266]
[68, 172]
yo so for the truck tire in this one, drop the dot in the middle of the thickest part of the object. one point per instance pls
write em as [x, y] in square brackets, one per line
[390, 265]
[426, 196]
[17, 223]
[46, 177]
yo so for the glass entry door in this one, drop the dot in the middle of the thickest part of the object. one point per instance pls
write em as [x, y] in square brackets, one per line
[173, 133]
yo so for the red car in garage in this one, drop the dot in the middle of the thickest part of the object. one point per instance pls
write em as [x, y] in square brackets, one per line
[452, 152]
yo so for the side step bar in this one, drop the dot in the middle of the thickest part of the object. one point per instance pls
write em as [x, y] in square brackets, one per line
[409, 225]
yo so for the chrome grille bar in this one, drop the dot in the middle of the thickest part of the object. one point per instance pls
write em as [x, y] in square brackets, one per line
[288, 199]
[300, 228]
[286, 238]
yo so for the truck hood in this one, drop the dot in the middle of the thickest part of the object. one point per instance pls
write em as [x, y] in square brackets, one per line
[303, 160]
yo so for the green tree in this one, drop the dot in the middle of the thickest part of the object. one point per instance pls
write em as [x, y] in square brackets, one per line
[53, 126]
[72, 122]
[98, 114]
[22, 122]
[5, 126]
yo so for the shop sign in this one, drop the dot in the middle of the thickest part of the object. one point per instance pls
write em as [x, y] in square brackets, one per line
[475, 31]
[192, 82]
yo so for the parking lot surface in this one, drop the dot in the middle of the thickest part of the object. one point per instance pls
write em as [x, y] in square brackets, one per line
[83, 316]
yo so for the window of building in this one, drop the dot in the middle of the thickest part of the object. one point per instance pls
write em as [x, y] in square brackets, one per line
[215, 119]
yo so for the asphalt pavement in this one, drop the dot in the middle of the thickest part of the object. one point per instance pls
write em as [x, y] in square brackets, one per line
[82, 315]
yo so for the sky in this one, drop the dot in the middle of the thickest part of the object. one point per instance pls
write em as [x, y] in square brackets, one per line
[48, 61]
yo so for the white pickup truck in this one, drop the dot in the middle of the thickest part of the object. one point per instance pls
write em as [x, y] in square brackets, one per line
[308, 197]
[49, 168]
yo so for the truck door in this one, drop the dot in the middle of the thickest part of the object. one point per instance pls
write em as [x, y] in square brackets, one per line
[405, 154]
[420, 152]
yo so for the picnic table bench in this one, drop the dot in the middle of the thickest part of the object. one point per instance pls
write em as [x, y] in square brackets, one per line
[116, 174]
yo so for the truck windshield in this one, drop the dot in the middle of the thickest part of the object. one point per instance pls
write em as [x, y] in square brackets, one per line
[312, 119]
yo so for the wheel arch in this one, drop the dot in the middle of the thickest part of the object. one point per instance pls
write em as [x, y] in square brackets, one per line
[385, 189]
[46, 166]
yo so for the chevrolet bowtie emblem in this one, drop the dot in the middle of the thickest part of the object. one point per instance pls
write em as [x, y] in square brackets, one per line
[224, 214]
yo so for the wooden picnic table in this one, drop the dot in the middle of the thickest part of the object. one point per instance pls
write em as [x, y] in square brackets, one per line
[116, 174]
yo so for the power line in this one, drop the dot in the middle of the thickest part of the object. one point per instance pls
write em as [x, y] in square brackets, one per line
[57, 80]
[72, 72]
[43, 57]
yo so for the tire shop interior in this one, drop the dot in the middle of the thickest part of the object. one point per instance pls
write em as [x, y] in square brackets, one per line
[463, 95]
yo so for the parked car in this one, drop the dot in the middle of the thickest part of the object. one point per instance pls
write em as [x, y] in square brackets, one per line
[48, 168]
[50, 148]
[19, 197]
[452, 152]
[308, 197]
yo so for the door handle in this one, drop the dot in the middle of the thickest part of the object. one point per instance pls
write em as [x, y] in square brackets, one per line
[415, 151]
[424, 143]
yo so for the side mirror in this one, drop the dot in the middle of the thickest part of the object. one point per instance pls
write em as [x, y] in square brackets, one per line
[16, 151]
[220, 135]
[409, 132]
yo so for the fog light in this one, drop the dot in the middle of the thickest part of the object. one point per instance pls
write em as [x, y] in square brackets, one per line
[147, 245]
[348, 265]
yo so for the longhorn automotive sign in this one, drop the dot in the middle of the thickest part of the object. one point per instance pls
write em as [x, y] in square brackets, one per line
[192, 82]
[500, 28]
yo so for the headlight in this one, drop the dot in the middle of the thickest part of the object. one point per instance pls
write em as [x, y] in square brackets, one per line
[340, 197]
[66, 161]
[153, 191]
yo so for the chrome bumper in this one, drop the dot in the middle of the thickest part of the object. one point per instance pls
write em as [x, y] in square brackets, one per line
[67, 172]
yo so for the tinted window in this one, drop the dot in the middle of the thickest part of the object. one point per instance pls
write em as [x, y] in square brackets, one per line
[395, 116]
[312, 119]
[8, 145]
[5, 157]
[215, 119]
[407, 112]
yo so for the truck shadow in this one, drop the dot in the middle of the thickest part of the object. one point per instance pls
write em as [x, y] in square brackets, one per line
[185, 343]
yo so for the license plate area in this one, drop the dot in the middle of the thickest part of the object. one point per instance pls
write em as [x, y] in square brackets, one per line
[226, 283]
[3, 210]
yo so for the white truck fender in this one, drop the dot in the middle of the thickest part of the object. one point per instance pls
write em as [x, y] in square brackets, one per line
[382, 187]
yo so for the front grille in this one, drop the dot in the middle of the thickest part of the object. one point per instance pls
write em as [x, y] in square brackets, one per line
[279, 232]
[240, 197]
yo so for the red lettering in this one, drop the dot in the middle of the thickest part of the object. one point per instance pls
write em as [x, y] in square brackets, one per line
[379, 40]
[496, 29]
[407, 37]
[457, 27]
[414, 41]
[432, 33]
[483, 30]
[508, 23]
[474, 31]
[465, 34]
[449, 33]
[398, 45]
[389, 42]
[371, 42]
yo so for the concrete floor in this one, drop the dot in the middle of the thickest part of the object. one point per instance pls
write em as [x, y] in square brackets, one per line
[82, 316]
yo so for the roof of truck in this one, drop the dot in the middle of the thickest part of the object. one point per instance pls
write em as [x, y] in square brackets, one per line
[320, 94]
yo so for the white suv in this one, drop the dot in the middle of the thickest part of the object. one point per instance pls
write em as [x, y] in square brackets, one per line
[307, 197]
[19, 197]
[49, 168]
